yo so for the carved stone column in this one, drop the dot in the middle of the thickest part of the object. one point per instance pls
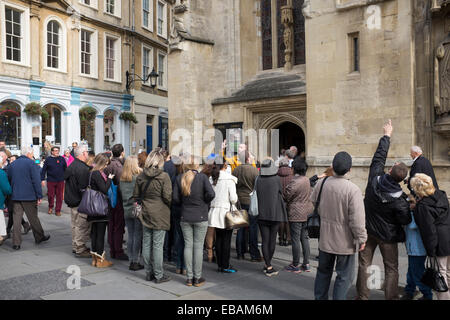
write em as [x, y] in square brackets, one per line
[35, 43]
[287, 18]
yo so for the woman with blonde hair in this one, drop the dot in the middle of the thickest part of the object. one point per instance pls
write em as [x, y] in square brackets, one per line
[154, 189]
[134, 226]
[193, 192]
[99, 181]
[432, 217]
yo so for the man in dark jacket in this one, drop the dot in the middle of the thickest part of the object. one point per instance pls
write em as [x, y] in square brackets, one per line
[420, 165]
[77, 179]
[116, 223]
[169, 250]
[387, 210]
[26, 195]
[54, 167]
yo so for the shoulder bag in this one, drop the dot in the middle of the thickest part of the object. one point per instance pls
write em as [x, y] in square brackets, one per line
[432, 276]
[235, 219]
[253, 210]
[93, 203]
[137, 207]
[313, 222]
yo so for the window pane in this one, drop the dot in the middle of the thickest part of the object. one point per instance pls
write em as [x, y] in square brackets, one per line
[146, 19]
[8, 27]
[266, 26]
[8, 53]
[16, 16]
[8, 15]
[49, 61]
[16, 29]
[16, 55]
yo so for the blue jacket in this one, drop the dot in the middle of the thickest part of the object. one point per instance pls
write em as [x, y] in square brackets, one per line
[414, 243]
[54, 167]
[5, 188]
[25, 179]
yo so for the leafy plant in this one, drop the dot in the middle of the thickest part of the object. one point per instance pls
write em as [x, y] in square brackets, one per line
[128, 116]
[87, 113]
[35, 109]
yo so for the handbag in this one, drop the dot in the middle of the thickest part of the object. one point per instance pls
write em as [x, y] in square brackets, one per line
[93, 203]
[253, 210]
[313, 222]
[235, 219]
[112, 195]
[137, 207]
[432, 276]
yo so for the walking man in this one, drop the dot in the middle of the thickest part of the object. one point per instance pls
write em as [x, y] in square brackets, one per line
[342, 229]
[77, 179]
[54, 167]
[116, 223]
[387, 210]
[26, 196]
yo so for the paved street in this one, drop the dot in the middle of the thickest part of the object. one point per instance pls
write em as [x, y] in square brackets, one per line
[39, 272]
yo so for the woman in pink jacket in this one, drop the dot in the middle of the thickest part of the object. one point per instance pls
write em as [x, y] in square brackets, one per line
[69, 158]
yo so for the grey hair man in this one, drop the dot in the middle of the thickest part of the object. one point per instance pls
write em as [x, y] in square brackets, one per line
[290, 154]
[76, 177]
[420, 165]
[26, 195]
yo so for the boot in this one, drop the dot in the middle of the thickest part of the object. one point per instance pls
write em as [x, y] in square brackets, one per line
[102, 262]
[94, 259]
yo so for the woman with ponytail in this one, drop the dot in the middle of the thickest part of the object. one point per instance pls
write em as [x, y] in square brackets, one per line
[193, 192]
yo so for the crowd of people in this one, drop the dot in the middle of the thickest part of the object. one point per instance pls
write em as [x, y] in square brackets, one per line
[174, 210]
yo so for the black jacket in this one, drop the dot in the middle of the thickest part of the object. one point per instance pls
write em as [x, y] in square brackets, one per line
[76, 177]
[385, 213]
[194, 208]
[422, 165]
[433, 220]
[271, 206]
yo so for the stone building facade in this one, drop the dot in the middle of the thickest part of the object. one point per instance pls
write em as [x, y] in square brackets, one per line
[327, 73]
[68, 55]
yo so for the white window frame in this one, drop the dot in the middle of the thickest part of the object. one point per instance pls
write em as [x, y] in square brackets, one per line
[93, 5]
[25, 46]
[164, 26]
[117, 58]
[164, 86]
[151, 63]
[62, 54]
[117, 8]
[94, 54]
[150, 16]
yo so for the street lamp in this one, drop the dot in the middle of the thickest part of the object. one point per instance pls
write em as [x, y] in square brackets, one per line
[152, 76]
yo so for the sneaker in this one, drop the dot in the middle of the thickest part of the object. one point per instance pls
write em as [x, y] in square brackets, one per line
[164, 278]
[306, 268]
[292, 268]
[135, 266]
[199, 282]
[45, 238]
[230, 269]
[189, 282]
[271, 272]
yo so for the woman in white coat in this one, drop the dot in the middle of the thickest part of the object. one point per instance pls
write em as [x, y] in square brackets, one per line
[224, 185]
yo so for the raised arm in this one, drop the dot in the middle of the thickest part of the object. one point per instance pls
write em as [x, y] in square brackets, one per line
[379, 158]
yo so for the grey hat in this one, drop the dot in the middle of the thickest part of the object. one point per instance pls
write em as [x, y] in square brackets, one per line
[268, 168]
[342, 163]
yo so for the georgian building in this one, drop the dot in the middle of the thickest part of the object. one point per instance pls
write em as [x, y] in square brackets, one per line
[72, 55]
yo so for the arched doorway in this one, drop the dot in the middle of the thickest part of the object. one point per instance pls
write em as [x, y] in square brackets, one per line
[52, 125]
[110, 129]
[87, 126]
[10, 124]
[291, 135]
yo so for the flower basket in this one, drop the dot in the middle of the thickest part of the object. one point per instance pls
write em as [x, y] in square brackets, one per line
[87, 113]
[33, 109]
[128, 116]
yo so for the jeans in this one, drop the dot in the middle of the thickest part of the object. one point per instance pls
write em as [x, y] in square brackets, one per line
[55, 189]
[241, 243]
[152, 251]
[223, 246]
[134, 245]
[98, 230]
[179, 244]
[169, 243]
[194, 237]
[389, 252]
[416, 268]
[299, 234]
[269, 231]
[116, 228]
[345, 270]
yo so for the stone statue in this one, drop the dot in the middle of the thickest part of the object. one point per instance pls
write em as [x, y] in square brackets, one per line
[442, 79]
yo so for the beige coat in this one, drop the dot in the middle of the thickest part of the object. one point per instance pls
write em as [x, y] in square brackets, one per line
[342, 216]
